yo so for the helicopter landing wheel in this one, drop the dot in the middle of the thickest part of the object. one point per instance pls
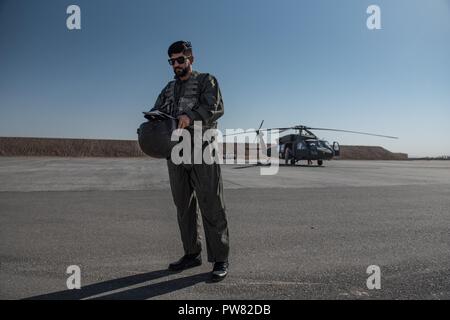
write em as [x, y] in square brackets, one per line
[320, 162]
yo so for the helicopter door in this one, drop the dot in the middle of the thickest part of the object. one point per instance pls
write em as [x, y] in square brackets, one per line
[301, 151]
[336, 149]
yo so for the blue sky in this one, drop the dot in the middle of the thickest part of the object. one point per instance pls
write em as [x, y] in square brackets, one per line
[288, 62]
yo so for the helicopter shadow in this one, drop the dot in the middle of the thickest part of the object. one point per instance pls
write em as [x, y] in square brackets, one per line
[301, 165]
[90, 292]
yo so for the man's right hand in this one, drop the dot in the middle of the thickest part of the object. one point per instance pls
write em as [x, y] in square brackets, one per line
[183, 121]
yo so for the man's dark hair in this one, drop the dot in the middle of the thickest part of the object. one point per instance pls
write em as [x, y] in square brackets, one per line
[184, 47]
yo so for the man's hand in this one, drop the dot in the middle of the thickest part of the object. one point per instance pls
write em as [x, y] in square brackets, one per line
[183, 121]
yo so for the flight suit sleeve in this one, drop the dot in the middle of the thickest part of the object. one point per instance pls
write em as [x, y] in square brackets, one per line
[160, 100]
[210, 106]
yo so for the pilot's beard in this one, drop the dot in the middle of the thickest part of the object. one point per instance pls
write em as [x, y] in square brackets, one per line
[182, 73]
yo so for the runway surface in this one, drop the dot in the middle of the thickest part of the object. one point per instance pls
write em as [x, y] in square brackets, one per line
[305, 233]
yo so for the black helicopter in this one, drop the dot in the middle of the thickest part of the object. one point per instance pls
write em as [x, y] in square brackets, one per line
[303, 145]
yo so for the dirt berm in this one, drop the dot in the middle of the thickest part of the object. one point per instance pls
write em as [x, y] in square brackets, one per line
[61, 147]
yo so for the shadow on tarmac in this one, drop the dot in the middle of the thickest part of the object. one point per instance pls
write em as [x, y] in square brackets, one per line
[140, 293]
[244, 166]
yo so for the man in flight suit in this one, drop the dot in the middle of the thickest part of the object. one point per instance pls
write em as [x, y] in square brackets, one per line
[195, 96]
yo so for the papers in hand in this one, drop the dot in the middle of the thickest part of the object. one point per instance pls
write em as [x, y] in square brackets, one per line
[157, 115]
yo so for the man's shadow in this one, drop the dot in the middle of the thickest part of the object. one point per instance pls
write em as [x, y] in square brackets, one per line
[140, 293]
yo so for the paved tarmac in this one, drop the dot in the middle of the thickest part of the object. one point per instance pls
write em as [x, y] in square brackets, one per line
[305, 233]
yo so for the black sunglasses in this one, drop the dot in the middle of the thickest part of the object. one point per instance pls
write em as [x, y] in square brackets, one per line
[180, 60]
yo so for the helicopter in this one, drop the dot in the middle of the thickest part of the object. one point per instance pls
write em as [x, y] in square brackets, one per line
[303, 145]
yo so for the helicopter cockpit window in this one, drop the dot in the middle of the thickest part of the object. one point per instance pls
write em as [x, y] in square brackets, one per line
[301, 145]
[336, 146]
[324, 144]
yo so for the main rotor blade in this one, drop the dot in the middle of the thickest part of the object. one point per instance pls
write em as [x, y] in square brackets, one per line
[236, 133]
[260, 126]
[256, 131]
[357, 132]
